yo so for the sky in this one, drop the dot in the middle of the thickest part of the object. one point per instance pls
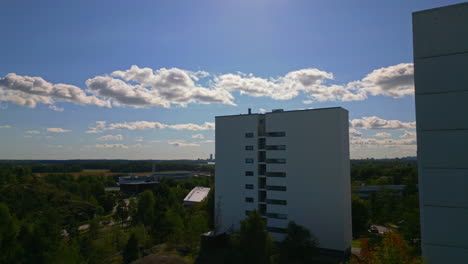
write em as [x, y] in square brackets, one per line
[144, 79]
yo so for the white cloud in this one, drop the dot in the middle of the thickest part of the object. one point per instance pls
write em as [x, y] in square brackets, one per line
[408, 134]
[111, 137]
[57, 130]
[198, 136]
[262, 110]
[307, 102]
[182, 143]
[383, 134]
[139, 139]
[383, 142]
[56, 108]
[111, 146]
[29, 91]
[5, 126]
[374, 122]
[143, 125]
[161, 88]
[207, 141]
[354, 133]
[33, 132]
[395, 81]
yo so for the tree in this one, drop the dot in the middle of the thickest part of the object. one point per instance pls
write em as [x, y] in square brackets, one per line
[94, 228]
[255, 244]
[145, 208]
[392, 250]
[8, 235]
[360, 215]
[130, 252]
[299, 245]
[121, 213]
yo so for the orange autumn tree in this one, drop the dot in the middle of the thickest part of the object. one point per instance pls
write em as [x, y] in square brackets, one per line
[392, 250]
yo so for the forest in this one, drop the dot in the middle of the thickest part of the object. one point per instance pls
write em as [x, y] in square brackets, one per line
[58, 217]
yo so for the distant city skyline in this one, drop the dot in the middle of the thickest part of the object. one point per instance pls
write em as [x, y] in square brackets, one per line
[100, 80]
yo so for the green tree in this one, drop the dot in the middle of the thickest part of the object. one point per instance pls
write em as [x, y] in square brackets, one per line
[8, 235]
[360, 215]
[131, 252]
[299, 245]
[121, 213]
[255, 244]
[145, 208]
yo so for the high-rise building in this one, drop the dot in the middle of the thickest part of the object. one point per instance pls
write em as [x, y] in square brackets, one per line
[289, 166]
[440, 39]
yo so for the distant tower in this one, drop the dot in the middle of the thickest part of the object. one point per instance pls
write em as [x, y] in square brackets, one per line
[211, 156]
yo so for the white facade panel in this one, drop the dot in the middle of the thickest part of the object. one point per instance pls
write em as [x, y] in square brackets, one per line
[447, 187]
[446, 225]
[315, 163]
[441, 80]
[438, 254]
[443, 148]
[443, 110]
[440, 38]
[440, 31]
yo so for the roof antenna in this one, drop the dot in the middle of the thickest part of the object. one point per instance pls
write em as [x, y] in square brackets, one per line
[250, 111]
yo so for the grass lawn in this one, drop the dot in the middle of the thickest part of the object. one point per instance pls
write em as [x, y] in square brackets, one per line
[356, 243]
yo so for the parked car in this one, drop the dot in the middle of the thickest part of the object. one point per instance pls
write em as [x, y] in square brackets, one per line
[374, 229]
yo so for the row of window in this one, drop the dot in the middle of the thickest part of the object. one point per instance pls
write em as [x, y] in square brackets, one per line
[270, 188]
[269, 134]
[268, 147]
[273, 201]
[271, 161]
[277, 216]
[268, 174]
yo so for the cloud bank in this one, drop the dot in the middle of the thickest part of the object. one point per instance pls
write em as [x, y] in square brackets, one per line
[145, 87]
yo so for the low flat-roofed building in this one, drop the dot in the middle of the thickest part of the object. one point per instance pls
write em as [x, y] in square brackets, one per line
[196, 195]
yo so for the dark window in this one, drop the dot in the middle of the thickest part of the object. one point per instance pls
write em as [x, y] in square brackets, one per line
[276, 147]
[248, 160]
[276, 174]
[277, 216]
[249, 200]
[249, 135]
[277, 161]
[249, 186]
[276, 188]
[249, 173]
[276, 134]
[272, 201]
[276, 229]
[249, 147]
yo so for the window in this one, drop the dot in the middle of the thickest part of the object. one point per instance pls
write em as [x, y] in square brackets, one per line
[248, 147]
[277, 216]
[276, 147]
[249, 135]
[249, 173]
[248, 160]
[276, 174]
[249, 186]
[279, 202]
[276, 161]
[276, 229]
[249, 200]
[276, 188]
[276, 134]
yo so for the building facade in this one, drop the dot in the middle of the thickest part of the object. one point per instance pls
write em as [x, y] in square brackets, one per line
[440, 39]
[289, 166]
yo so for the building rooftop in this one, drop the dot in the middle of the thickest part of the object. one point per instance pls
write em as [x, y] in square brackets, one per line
[276, 111]
[197, 195]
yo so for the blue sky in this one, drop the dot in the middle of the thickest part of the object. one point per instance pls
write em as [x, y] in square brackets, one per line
[65, 65]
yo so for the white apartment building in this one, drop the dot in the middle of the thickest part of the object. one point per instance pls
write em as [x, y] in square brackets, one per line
[290, 166]
[440, 39]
